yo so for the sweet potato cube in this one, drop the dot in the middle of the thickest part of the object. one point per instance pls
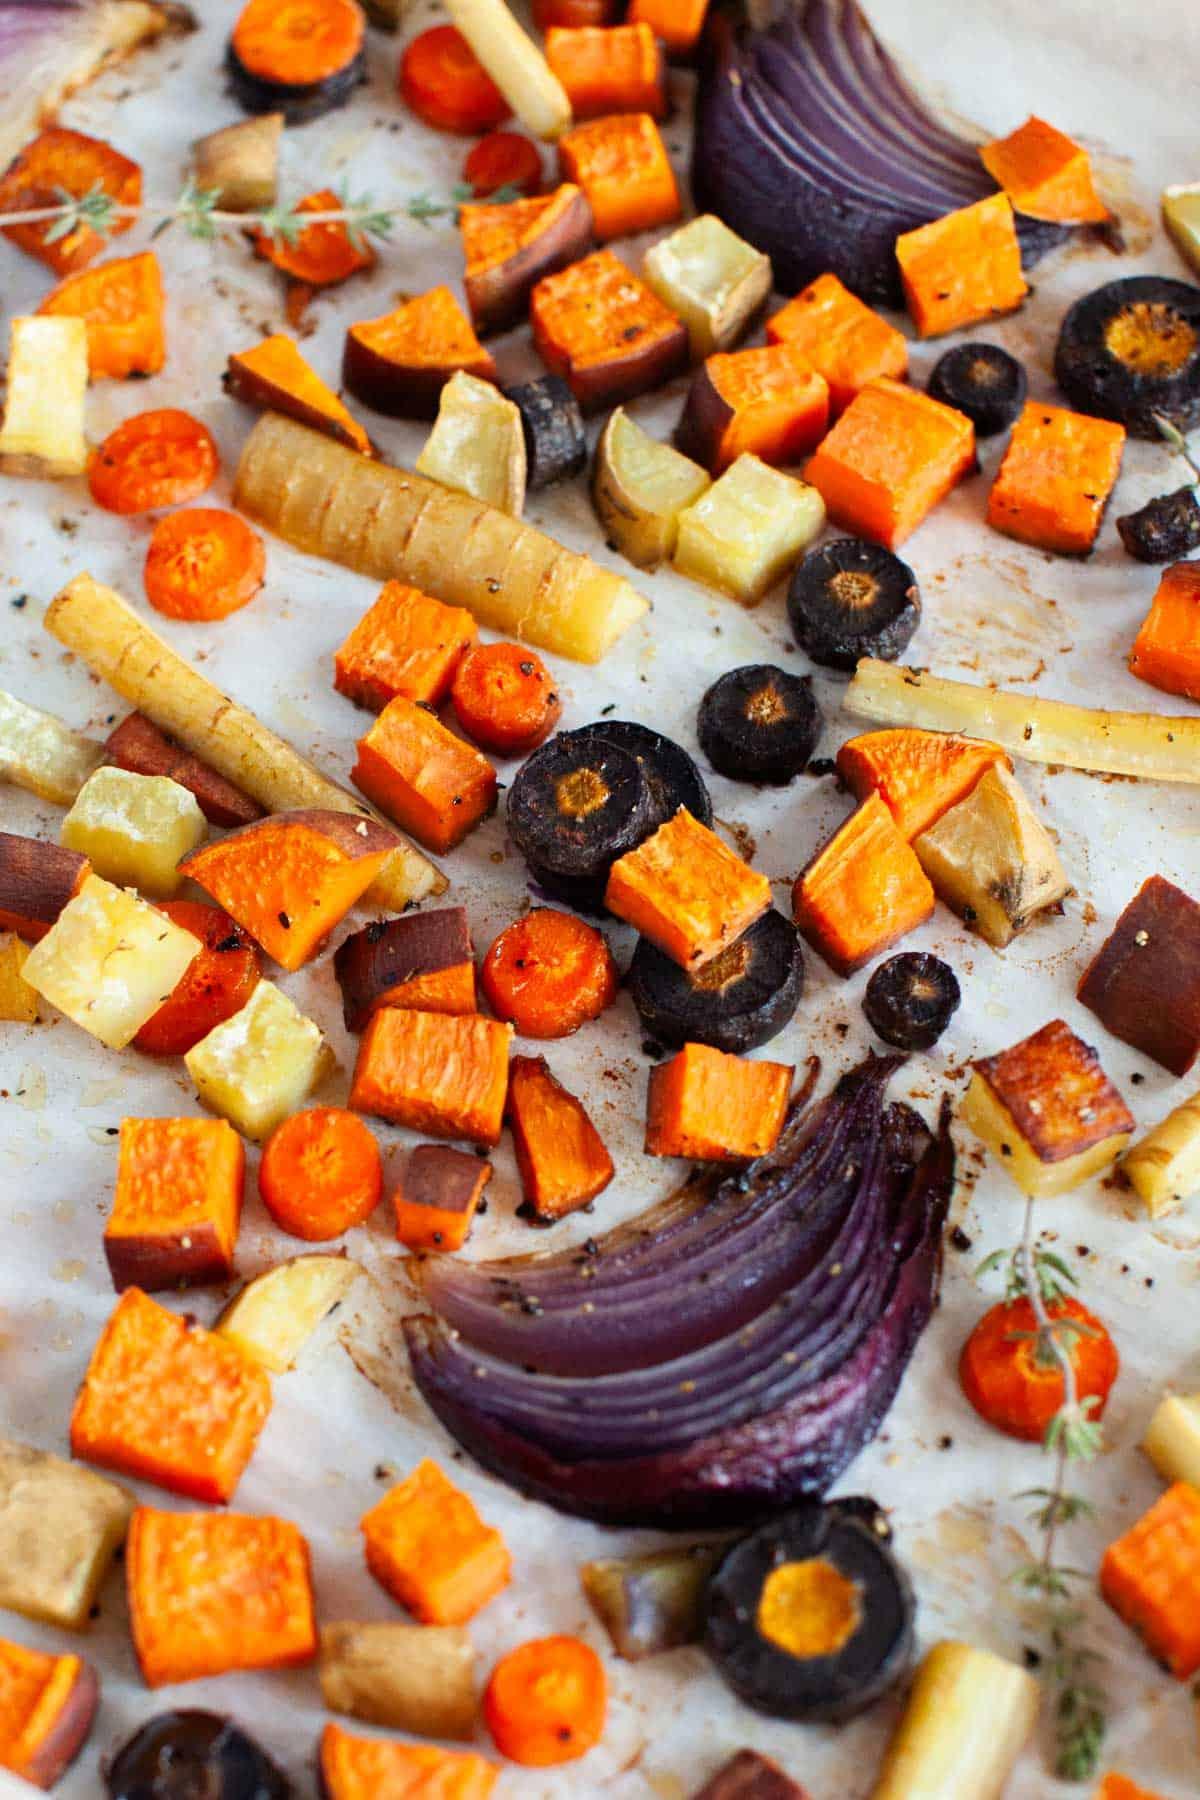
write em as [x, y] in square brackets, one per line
[1053, 484]
[605, 332]
[406, 644]
[437, 1073]
[210, 1593]
[58, 162]
[359, 1768]
[992, 861]
[609, 69]
[274, 377]
[862, 892]
[36, 881]
[1048, 1111]
[1151, 1579]
[289, 879]
[419, 773]
[1166, 651]
[260, 1065]
[686, 891]
[399, 364]
[766, 402]
[438, 1196]
[560, 1156]
[713, 1107]
[168, 1402]
[677, 22]
[426, 1544]
[891, 457]
[742, 534]
[962, 268]
[178, 1203]
[60, 1527]
[1045, 174]
[621, 164]
[841, 338]
[122, 304]
[1144, 982]
[919, 775]
[137, 745]
[47, 1705]
[135, 829]
[18, 1001]
[509, 246]
[424, 961]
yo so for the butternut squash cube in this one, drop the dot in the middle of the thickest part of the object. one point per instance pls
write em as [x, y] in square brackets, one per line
[135, 829]
[1048, 1111]
[713, 1107]
[862, 892]
[419, 773]
[841, 338]
[711, 279]
[992, 860]
[178, 1203]
[891, 457]
[1166, 651]
[686, 891]
[443, 1074]
[60, 1527]
[1045, 174]
[426, 1544]
[561, 1159]
[406, 644]
[261, 1065]
[1054, 482]
[962, 268]
[1151, 1579]
[621, 164]
[18, 1001]
[745, 532]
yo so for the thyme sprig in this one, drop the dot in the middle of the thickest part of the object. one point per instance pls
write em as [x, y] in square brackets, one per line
[1174, 437]
[1073, 1436]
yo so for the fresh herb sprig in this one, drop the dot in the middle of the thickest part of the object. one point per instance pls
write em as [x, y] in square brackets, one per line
[1174, 437]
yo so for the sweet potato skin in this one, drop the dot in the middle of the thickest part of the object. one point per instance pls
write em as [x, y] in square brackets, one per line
[781, 422]
[77, 1687]
[749, 1776]
[498, 291]
[561, 1158]
[423, 961]
[36, 881]
[438, 1196]
[1144, 982]
[137, 745]
[248, 381]
[168, 1169]
[407, 382]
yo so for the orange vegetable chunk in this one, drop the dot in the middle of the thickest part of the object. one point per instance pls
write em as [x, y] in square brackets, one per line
[169, 1402]
[438, 1196]
[560, 1155]
[605, 332]
[320, 1173]
[178, 1203]
[443, 81]
[359, 1768]
[58, 162]
[919, 775]
[424, 961]
[1119, 1787]
[163, 457]
[891, 457]
[1017, 1392]
[216, 983]
[1054, 482]
[841, 338]
[686, 891]
[274, 375]
[121, 301]
[398, 364]
[510, 245]
[863, 891]
[609, 69]
[505, 698]
[768, 402]
[211, 1593]
[298, 43]
[202, 564]
[420, 774]
[427, 1545]
[548, 973]
[47, 1705]
[323, 254]
[546, 1702]
[443, 1074]
[962, 268]
[713, 1107]
[677, 22]
[621, 164]
[1166, 651]
[1045, 174]
[1151, 1578]
[405, 644]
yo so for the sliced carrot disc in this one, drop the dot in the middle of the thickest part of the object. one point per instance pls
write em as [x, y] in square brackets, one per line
[503, 159]
[323, 254]
[546, 1702]
[203, 563]
[445, 84]
[298, 43]
[161, 458]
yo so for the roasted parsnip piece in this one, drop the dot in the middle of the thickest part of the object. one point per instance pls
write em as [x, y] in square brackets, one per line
[992, 860]
[969, 1716]
[44, 405]
[654, 1602]
[748, 529]
[477, 445]
[18, 1001]
[411, 1677]
[40, 753]
[1172, 1440]
[241, 162]
[274, 1315]
[135, 829]
[515, 64]
[60, 1526]
[639, 489]
[1163, 1168]
[261, 1065]
[712, 279]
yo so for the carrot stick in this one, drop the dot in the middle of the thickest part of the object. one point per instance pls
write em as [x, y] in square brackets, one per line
[320, 1174]
[549, 973]
[160, 458]
[546, 1702]
[203, 564]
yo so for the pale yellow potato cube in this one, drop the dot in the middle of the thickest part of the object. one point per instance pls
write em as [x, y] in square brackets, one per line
[991, 1121]
[261, 1065]
[748, 529]
[477, 445]
[274, 1315]
[711, 279]
[992, 861]
[47, 389]
[40, 753]
[60, 1527]
[1172, 1440]
[135, 828]
[18, 1001]
[109, 961]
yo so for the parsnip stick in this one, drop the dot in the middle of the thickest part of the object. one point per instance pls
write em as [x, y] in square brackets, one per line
[1153, 746]
[393, 525]
[40, 753]
[104, 630]
[515, 64]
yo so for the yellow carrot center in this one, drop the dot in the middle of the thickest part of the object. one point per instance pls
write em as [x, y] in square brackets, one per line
[809, 1608]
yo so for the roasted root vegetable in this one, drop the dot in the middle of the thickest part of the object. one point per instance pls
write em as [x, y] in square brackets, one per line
[1045, 174]
[392, 525]
[510, 246]
[505, 698]
[135, 829]
[121, 303]
[47, 378]
[1142, 985]
[109, 961]
[1180, 210]
[272, 376]
[968, 1712]
[982, 381]
[423, 961]
[609, 69]
[319, 255]
[202, 564]
[36, 881]
[503, 159]
[418, 772]
[891, 457]
[561, 1158]
[178, 1203]
[711, 279]
[712, 1107]
[911, 999]
[49, 1703]
[272, 1318]
[1151, 1579]
[739, 1000]
[1166, 651]
[848, 599]
[605, 332]
[515, 64]
[962, 268]
[555, 445]
[1131, 350]
[59, 164]
[841, 338]
[767, 402]
[919, 775]
[289, 879]
[399, 364]
[1053, 484]
[549, 973]
[38, 752]
[405, 644]
[320, 1174]
[437, 1197]
[477, 445]
[1120, 1787]
[1172, 1440]
[18, 1001]
[60, 1527]
[356, 1768]
[992, 861]
[653, 1602]
[747, 529]
[575, 12]
[1166, 528]
[442, 1074]
[678, 23]
[749, 1776]
[686, 891]
[1163, 1168]
[260, 1065]
[137, 745]
[426, 1544]
[213, 1592]
[546, 1702]
[447, 86]
[197, 1748]
[167, 1402]
[639, 489]
[240, 163]
[153, 459]
[410, 1677]
[1046, 1108]
[862, 891]
[298, 60]
[621, 164]
[1016, 1391]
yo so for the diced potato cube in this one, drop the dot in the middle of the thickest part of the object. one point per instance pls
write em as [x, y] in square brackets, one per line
[748, 529]
[1163, 1168]
[18, 1001]
[135, 828]
[109, 961]
[47, 390]
[1172, 1440]
[639, 489]
[711, 279]
[60, 1526]
[477, 445]
[992, 860]
[273, 1316]
[261, 1065]
[39, 752]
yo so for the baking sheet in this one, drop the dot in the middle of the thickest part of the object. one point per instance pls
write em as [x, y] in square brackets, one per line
[347, 1418]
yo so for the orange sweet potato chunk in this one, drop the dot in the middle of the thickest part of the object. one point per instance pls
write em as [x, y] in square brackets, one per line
[561, 1158]
[863, 891]
[714, 1107]
[1054, 482]
[443, 1074]
[168, 1402]
[841, 338]
[621, 164]
[47, 1704]
[122, 303]
[419, 773]
[686, 891]
[1151, 1578]
[605, 332]
[1119, 1787]
[962, 268]
[407, 643]
[359, 1768]
[57, 162]
[891, 457]
[768, 402]
[1045, 174]
[178, 1203]
[210, 1593]
[274, 375]
[426, 1544]
[438, 1196]
[919, 775]
[1166, 651]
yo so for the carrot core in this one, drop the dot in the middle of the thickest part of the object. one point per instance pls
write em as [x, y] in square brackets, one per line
[580, 793]
[1150, 339]
[809, 1608]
